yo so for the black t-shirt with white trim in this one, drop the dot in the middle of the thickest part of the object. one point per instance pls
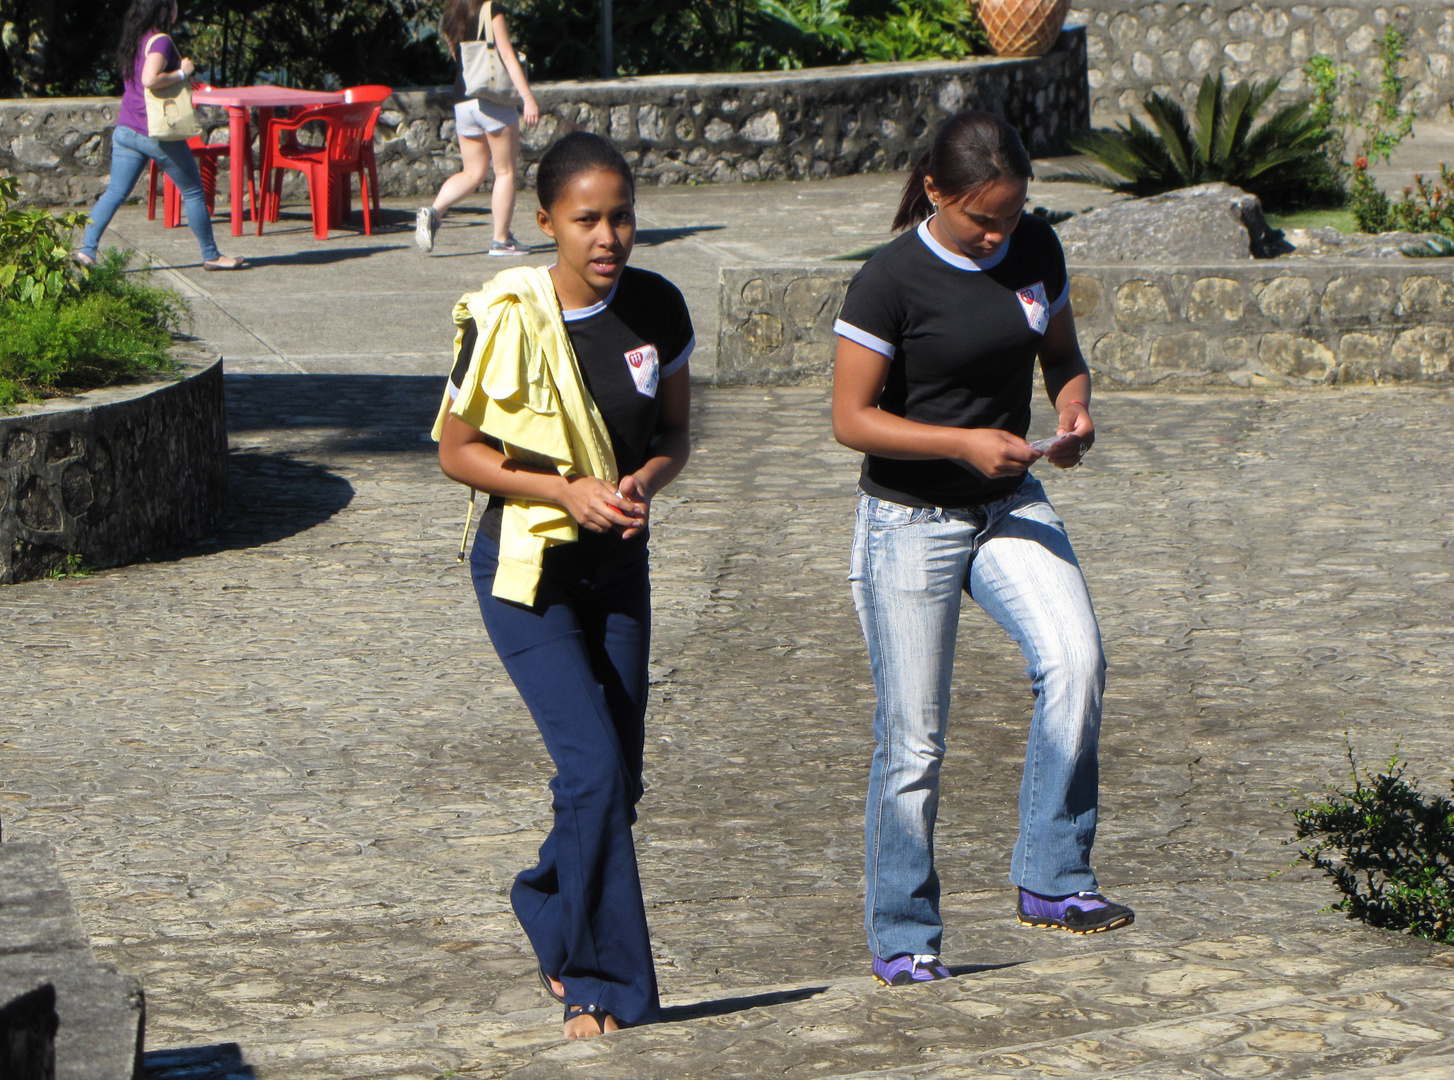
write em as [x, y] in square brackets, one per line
[625, 346]
[962, 336]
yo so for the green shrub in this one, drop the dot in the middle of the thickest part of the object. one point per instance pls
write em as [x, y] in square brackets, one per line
[111, 326]
[1394, 851]
[1281, 161]
[1378, 125]
[1426, 206]
[35, 254]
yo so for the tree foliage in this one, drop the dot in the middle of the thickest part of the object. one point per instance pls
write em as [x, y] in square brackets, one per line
[62, 47]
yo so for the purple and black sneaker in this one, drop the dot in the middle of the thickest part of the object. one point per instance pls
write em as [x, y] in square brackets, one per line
[906, 970]
[1080, 913]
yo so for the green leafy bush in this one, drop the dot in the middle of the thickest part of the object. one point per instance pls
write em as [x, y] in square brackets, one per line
[1426, 206]
[35, 256]
[1377, 125]
[1389, 849]
[68, 329]
[1281, 160]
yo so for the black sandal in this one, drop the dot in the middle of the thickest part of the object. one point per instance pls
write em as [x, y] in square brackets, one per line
[595, 1012]
[545, 982]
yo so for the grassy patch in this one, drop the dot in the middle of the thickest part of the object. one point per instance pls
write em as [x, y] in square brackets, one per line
[70, 567]
[114, 326]
[1340, 219]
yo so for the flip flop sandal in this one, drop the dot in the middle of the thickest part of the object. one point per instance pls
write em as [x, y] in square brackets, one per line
[545, 982]
[241, 264]
[81, 258]
[595, 1012]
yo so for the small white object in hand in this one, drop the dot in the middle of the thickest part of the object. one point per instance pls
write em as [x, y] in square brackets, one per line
[1044, 446]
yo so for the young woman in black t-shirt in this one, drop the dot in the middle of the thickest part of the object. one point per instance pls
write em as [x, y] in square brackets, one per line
[618, 341]
[938, 338]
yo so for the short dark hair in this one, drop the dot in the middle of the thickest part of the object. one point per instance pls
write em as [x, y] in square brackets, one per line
[971, 151]
[578, 152]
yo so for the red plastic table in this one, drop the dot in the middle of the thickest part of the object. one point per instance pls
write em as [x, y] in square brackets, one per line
[237, 102]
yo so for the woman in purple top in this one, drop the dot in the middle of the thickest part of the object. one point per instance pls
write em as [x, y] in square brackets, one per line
[147, 59]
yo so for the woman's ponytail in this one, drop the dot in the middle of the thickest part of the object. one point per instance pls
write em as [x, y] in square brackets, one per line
[971, 151]
[914, 204]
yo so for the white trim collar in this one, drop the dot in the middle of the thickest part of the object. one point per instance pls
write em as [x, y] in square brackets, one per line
[954, 258]
[576, 314]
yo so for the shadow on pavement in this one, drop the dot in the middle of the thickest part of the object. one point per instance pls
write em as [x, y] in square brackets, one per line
[222, 1061]
[653, 237]
[397, 407]
[271, 497]
[701, 1010]
[956, 970]
[319, 257]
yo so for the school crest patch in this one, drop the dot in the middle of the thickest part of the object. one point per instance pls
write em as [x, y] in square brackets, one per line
[645, 367]
[1036, 306]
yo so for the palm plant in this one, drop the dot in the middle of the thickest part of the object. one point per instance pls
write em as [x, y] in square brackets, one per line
[1281, 161]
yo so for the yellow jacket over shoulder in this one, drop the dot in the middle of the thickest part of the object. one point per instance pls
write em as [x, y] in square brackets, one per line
[524, 387]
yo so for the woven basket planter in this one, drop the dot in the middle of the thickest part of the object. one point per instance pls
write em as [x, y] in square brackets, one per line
[1022, 27]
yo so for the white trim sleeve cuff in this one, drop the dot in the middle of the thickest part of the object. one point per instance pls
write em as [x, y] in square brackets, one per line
[864, 338]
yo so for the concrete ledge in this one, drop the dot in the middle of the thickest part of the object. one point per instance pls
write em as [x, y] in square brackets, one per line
[1293, 322]
[711, 128]
[113, 474]
[81, 1019]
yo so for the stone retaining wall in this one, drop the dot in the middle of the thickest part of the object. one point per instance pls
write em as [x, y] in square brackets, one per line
[1137, 46]
[1291, 322]
[673, 128]
[113, 475]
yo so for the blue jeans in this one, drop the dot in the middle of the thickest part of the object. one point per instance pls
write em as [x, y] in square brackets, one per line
[578, 658]
[131, 152]
[909, 567]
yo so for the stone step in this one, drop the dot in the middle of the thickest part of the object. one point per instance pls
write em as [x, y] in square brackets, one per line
[100, 1013]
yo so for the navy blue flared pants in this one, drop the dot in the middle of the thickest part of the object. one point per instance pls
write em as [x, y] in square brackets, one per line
[578, 658]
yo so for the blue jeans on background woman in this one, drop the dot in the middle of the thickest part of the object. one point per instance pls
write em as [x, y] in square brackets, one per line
[910, 568]
[131, 152]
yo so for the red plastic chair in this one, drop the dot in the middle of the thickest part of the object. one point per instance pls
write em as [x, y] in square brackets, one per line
[328, 168]
[374, 95]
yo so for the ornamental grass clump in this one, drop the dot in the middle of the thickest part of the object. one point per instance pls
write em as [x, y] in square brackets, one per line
[65, 329]
[1282, 160]
[1390, 850]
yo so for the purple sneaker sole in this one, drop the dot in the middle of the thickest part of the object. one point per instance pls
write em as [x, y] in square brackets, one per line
[1084, 913]
[907, 970]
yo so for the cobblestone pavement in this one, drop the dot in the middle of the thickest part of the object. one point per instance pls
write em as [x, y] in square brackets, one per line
[290, 784]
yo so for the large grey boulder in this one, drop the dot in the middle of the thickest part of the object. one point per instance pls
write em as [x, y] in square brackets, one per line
[1209, 223]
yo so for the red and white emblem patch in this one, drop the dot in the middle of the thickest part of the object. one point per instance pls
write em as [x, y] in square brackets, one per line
[645, 368]
[1036, 306]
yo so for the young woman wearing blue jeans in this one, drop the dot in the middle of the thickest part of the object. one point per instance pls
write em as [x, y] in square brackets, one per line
[148, 60]
[938, 338]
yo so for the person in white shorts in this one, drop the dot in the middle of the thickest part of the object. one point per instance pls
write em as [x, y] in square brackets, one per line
[487, 131]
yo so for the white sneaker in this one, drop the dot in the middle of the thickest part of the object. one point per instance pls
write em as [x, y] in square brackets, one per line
[426, 224]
